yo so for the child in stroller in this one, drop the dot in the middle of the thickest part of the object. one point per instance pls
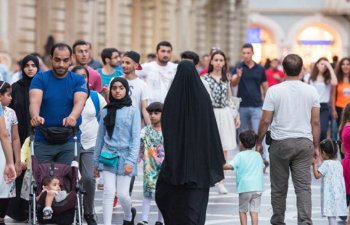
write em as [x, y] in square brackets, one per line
[48, 178]
[51, 185]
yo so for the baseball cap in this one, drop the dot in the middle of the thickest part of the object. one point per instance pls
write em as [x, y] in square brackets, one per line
[135, 57]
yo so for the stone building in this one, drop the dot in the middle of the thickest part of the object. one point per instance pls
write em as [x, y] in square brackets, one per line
[311, 28]
[125, 24]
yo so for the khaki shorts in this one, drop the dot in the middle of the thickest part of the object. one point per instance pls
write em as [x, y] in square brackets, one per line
[249, 201]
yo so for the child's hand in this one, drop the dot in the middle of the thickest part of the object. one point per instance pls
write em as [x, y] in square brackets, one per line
[96, 172]
[24, 165]
[314, 161]
[18, 167]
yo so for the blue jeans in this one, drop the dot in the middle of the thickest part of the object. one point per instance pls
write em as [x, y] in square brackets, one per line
[250, 119]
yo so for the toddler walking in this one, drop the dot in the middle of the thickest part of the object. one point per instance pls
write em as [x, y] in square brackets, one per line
[152, 153]
[333, 200]
[249, 168]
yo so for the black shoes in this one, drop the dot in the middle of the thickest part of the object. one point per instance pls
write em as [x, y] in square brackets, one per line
[90, 220]
[133, 214]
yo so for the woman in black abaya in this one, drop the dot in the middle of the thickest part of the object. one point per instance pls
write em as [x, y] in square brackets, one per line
[193, 153]
[18, 207]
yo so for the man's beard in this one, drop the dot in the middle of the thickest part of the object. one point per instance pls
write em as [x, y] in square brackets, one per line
[163, 62]
[59, 73]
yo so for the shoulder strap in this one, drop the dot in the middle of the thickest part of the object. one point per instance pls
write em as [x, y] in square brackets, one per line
[96, 101]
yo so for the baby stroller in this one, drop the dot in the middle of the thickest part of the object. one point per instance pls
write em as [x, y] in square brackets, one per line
[65, 212]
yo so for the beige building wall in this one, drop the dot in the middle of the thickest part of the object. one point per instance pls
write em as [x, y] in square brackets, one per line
[194, 25]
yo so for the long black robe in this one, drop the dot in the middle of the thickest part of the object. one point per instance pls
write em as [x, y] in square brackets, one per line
[193, 152]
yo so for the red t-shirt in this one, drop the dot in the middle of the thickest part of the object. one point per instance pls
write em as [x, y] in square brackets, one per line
[203, 71]
[270, 76]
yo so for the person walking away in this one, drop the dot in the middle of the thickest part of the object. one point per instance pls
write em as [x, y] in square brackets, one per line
[249, 177]
[194, 156]
[293, 110]
[333, 202]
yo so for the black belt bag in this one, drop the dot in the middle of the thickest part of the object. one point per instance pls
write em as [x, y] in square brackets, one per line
[57, 135]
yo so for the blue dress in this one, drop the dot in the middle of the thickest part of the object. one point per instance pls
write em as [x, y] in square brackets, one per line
[333, 202]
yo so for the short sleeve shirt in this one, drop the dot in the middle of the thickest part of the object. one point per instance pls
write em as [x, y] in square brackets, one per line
[249, 171]
[249, 85]
[58, 97]
[291, 102]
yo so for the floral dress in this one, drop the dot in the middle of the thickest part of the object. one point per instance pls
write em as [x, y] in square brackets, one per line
[333, 202]
[153, 155]
[7, 190]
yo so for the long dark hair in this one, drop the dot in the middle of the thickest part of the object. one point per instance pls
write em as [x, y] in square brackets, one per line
[338, 70]
[315, 71]
[76, 68]
[224, 68]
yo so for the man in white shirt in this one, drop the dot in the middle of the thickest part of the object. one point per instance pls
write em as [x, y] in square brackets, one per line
[138, 88]
[159, 74]
[293, 108]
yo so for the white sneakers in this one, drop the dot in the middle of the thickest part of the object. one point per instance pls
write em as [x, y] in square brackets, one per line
[222, 189]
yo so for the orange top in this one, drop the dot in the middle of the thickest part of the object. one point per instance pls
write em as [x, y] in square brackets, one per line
[343, 94]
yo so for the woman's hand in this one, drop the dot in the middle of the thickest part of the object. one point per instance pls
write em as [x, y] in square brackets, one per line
[96, 172]
[237, 121]
[127, 169]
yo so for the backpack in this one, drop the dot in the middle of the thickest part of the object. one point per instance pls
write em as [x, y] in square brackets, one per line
[96, 101]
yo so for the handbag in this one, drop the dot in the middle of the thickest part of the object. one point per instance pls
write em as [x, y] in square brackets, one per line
[56, 135]
[108, 159]
[232, 101]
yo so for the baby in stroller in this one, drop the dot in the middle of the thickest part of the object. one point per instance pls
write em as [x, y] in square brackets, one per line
[51, 186]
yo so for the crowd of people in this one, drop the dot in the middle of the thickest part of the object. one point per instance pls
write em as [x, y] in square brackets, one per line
[181, 120]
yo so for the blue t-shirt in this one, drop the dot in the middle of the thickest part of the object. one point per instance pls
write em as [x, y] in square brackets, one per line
[58, 98]
[106, 78]
[249, 84]
[249, 168]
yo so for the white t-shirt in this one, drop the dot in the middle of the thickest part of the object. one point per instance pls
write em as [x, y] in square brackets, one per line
[158, 78]
[323, 90]
[291, 102]
[138, 92]
[89, 125]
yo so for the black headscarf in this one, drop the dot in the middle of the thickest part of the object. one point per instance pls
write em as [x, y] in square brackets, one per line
[25, 79]
[20, 99]
[114, 105]
[193, 152]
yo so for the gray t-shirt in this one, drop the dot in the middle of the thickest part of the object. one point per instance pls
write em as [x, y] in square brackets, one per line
[291, 102]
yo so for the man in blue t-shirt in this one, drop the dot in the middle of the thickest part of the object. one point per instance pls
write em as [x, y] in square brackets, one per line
[57, 98]
[251, 79]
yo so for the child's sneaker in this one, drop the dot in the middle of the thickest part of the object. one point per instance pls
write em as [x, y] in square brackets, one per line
[158, 223]
[47, 213]
[222, 189]
[115, 201]
[142, 223]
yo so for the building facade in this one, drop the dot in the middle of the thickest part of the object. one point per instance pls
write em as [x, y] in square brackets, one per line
[311, 28]
[124, 24]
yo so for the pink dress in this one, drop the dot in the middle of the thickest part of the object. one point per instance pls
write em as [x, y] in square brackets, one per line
[345, 136]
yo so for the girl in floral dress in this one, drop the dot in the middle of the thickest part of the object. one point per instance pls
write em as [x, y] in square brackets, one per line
[333, 202]
[152, 153]
[8, 190]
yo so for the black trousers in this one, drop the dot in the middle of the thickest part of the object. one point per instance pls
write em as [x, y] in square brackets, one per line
[180, 205]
